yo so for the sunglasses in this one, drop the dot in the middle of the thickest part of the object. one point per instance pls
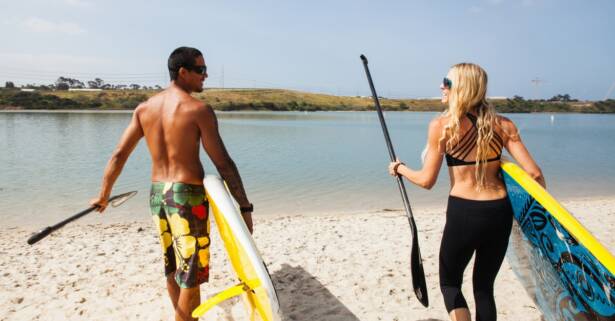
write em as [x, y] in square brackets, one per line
[447, 83]
[198, 69]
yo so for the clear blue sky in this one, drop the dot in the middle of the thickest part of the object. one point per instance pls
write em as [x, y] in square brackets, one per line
[315, 45]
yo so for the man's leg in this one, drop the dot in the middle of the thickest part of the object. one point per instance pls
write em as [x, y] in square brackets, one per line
[189, 299]
[190, 237]
[173, 289]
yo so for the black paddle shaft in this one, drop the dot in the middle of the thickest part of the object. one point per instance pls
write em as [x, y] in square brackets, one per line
[416, 262]
[46, 231]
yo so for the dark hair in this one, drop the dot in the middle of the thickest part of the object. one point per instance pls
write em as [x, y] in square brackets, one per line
[182, 57]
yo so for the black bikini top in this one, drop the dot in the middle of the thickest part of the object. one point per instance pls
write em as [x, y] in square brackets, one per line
[458, 154]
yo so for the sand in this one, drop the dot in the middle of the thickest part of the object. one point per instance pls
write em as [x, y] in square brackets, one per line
[326, 267]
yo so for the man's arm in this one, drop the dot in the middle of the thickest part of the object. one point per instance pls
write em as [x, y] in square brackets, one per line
[213, 145]
[131, 136]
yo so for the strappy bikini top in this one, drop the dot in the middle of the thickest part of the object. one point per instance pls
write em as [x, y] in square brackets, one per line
[458, 154]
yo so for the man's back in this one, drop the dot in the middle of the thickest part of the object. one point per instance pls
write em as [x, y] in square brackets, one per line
[169, 123]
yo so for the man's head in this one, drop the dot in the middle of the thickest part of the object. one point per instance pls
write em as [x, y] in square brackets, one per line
[187, 68]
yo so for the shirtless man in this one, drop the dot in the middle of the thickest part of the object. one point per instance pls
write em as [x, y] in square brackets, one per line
[173, 122]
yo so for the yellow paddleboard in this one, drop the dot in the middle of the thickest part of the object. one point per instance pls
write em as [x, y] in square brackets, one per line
[255, 284]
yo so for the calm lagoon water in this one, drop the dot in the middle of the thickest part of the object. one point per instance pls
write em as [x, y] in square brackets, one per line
[291, 163]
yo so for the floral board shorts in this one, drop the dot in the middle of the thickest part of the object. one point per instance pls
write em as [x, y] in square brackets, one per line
[180, 211]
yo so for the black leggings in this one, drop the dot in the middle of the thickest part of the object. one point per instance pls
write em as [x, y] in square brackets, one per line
[481, 226]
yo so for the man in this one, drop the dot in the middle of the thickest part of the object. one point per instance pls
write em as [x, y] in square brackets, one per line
[173, 122]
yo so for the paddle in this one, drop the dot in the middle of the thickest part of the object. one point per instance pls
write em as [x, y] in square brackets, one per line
[416, 263]
[115, 201]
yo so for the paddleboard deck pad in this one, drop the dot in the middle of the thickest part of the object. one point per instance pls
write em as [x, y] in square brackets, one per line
[255, 286]
[568, 273]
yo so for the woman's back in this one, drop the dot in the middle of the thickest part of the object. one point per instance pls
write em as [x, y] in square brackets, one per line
[461, 156]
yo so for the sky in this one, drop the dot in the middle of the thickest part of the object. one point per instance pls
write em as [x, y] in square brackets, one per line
[531, 48]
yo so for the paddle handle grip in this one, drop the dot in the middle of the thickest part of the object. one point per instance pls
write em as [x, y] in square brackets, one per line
[46, 231]
[385, 130]
[40, 235]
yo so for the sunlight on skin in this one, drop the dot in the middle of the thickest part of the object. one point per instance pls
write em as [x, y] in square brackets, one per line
[461, 314]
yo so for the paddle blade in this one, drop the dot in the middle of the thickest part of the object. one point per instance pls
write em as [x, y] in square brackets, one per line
[418, 275]
[120, 199]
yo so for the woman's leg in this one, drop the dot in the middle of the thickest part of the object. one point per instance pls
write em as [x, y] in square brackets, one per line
[455, 253]
[489, 257]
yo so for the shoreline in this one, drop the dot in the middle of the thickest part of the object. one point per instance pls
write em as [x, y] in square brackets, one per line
[282, 100]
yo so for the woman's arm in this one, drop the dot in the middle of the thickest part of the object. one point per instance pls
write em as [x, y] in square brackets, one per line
[519, 152]
[427, 176]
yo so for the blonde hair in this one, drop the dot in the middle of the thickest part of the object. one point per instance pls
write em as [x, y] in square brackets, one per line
[468, 94]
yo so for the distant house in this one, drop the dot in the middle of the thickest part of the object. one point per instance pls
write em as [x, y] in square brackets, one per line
[28, 89]
[84, 89]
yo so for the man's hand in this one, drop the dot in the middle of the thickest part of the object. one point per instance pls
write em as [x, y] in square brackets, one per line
[247, 217]
[100, 203]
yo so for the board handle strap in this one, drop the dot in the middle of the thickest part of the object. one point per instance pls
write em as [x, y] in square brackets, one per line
[223, 296]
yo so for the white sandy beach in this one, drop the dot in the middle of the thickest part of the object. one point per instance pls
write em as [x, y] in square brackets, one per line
[328, 267]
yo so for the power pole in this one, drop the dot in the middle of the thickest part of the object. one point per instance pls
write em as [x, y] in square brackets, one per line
[222, 78]
[536, 82]
[608, 93]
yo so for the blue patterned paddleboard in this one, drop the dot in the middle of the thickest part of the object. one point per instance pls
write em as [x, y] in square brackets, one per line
[569, 274]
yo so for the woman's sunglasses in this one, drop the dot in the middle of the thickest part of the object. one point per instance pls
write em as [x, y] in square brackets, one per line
[447, 83]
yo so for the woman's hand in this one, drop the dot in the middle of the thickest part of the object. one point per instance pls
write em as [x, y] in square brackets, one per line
[394, 167]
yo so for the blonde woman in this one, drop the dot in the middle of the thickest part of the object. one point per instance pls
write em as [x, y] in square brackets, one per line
[471, 136]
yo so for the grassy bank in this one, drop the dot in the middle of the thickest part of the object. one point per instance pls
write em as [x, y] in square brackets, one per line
[270, 99]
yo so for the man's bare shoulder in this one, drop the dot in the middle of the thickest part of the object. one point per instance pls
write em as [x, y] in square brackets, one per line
[192, 104]
[195, 105]
[142, 108]
[152, 101]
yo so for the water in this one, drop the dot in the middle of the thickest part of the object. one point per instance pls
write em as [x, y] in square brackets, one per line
[291, 163]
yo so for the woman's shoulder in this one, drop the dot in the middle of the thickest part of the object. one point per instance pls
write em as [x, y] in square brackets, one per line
[437, 125]
[507, 127]
[505, 122]
[439, 121]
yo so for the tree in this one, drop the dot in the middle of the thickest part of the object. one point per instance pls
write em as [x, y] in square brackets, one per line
[62, 86]
[9, 84]
[96, 83]
[564, 98]
[70, 82]
[134, 86]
